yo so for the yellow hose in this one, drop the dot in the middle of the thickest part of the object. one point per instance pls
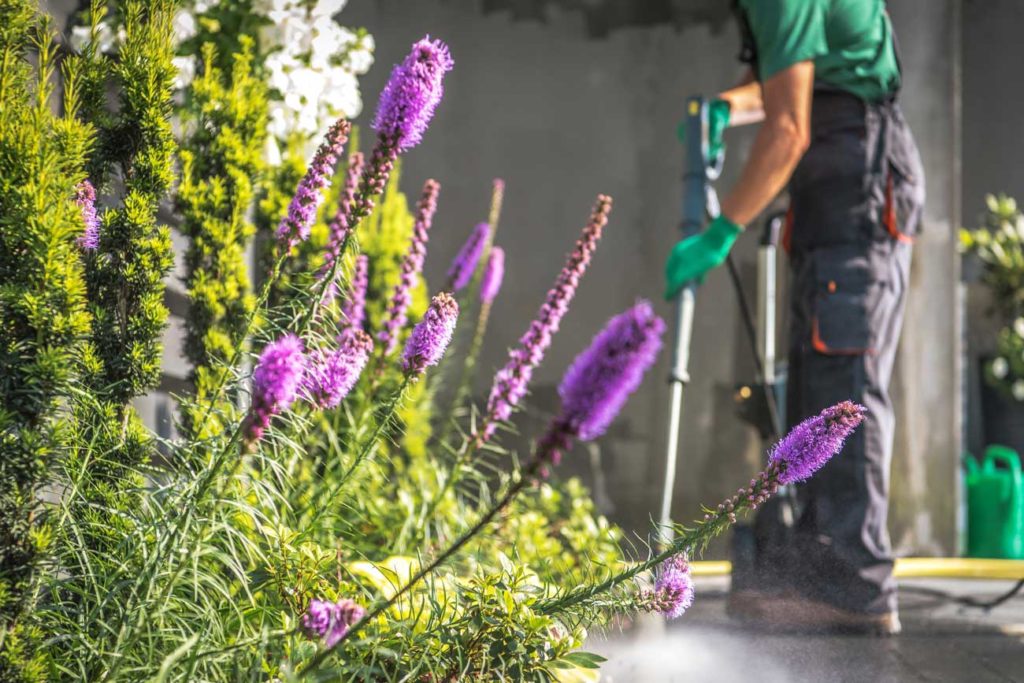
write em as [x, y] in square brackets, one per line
[913, 568]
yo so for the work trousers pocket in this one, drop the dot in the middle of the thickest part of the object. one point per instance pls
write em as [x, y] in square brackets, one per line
[845, 290]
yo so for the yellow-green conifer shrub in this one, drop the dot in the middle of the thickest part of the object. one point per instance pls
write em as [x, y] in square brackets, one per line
[125, 275]
[222, 162]
[43, 317]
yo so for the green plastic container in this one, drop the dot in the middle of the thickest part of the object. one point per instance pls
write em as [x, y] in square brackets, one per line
[995, 504]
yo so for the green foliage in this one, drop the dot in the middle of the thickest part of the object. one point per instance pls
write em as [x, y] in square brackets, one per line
[221, 166]
[43, 317]
[998, 244]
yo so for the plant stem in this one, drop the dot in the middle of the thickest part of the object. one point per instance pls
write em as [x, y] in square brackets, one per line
[527, 476]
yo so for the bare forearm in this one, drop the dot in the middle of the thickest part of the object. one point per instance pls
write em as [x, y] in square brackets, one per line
[773, 158]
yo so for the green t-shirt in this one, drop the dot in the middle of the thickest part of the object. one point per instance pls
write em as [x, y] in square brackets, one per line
[849, 41]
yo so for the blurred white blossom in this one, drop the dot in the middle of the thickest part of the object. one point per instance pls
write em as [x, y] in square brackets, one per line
[186, 71]
[1018, 390]
[1018, 327]
[1000, 368]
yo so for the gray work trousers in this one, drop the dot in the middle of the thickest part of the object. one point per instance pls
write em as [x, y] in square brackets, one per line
[855, 204]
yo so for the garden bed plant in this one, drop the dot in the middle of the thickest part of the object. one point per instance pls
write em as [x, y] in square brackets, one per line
[334, 506]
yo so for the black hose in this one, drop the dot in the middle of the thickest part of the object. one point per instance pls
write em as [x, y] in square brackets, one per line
[748, 324]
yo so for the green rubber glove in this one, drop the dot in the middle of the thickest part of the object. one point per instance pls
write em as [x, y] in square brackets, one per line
[718, 121]
[693, 257]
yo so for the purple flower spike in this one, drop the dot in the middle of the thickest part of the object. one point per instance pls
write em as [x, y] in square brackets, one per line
[464, 265]
[330, 621]
[813, 442]
[494, 273]
[602, 377]
[339, 227]
[295, 226]
[412, 94]
[85, 198]
[430, 338]
[511, 382]
[275, 382]
[673, 588]
[412, 264]
[330, 376]
[354, 308]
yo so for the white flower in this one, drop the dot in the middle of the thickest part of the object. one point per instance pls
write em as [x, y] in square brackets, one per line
[271, 152]
[80, 36]
[202, 6]
[186, 71]
[309, 82]
[342, 93]
[327, 8]
[278, 121]
[1018, 327]
[184, 25]
[359, 61]
[1000, 368]
[1018, 390]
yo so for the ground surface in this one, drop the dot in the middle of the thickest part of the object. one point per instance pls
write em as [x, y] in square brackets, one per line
[941, 641]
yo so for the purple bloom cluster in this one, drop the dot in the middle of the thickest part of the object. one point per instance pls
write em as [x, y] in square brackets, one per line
[330, 376]
[673, 588]
[339, 227]
[330, 621]
[464, 265]
[412, 94]
[511, 381]
[412, 264]
[813, 442]
[597, 384]
[354, 308]
[494, 273]
[430, 338]
[295, 226]
[85, 198]
[275, 382]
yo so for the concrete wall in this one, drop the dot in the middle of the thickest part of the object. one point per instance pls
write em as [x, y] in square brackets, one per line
[993, 149]
[562, 117]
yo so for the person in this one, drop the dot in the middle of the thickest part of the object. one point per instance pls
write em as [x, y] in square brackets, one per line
[823, 81]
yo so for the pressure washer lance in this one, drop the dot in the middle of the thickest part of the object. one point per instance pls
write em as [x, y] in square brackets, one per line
[700, 202]
[698, 173]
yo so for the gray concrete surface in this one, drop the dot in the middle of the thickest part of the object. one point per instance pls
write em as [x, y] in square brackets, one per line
[941, 643]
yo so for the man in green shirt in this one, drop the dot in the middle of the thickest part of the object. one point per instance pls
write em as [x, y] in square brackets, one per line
[823, 81]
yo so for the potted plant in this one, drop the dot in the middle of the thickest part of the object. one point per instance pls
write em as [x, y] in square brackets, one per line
[998, 246]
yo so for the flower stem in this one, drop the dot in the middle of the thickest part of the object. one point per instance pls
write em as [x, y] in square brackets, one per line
[527, 476]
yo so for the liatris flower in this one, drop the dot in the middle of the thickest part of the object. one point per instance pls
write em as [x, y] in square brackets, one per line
[330, 376]
[430, 338]
[511, 381]
[354, 308]
[412, 94]
[464, 265]
[813, 442]
[673, 588]
[597, 384]
[494, 272]
[295, 226]
[339, 227]
[331, 620]
[412, 264]
[85, 198]
[275, 382]
[602, 377]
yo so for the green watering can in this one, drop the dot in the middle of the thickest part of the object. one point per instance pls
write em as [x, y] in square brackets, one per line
[995, 504]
